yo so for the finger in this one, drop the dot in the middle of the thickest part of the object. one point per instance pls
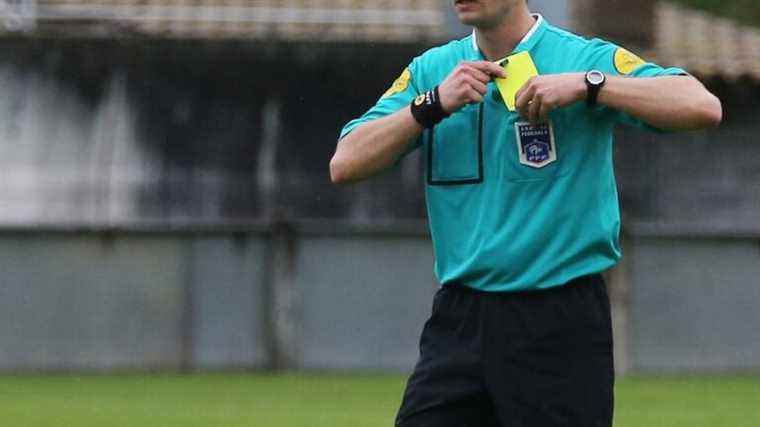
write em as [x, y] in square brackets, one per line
[474, 72]
[474, 97]
[534, 110]
[523, 109]
[476, 84]
[522, 103]
[494, 70]
[524, 94]
[543, 113]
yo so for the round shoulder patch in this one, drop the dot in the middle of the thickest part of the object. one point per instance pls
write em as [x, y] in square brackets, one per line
[400, 85]
[627, 62]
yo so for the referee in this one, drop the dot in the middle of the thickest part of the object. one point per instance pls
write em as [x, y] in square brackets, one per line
[523, 212]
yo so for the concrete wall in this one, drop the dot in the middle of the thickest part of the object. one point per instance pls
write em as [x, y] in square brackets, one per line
[212, 300]
[694, 304]
[110, 133]
[365, 301]
[353, 299]
[103, 301]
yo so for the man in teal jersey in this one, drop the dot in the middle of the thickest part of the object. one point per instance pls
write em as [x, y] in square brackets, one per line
[523, 211]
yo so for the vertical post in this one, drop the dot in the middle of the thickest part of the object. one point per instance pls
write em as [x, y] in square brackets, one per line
[282, 301]
[266, 167]
[285, 300]
[187, 328]
[619, 291]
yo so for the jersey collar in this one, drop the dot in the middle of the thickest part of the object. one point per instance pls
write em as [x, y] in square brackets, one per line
[527, 42]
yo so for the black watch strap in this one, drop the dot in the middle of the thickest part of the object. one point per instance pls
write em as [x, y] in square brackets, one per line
[428, 110]
[595, 80]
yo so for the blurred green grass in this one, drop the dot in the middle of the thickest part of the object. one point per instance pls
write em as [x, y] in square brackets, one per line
[325, 400]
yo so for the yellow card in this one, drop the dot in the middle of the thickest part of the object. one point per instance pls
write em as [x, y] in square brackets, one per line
[519, 69]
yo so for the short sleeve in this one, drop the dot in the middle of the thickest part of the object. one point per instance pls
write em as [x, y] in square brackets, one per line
[617, 61]
[399, 95]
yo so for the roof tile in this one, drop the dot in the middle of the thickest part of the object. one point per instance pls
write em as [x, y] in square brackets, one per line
[320, 20]
[705, 44]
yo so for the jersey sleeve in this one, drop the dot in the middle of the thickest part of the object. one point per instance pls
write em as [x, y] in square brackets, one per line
[399, 95]
[617, 61]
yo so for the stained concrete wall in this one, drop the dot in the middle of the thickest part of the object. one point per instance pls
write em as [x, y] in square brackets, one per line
[99, 300]
[694, 304]
[309, 299]
[94, 301]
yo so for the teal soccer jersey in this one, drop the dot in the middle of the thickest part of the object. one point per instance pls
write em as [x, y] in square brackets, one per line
[514, 207]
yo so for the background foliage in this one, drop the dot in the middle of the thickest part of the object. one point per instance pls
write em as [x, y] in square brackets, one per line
[744, 11]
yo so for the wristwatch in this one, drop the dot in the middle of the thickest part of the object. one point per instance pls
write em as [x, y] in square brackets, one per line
[595, 80]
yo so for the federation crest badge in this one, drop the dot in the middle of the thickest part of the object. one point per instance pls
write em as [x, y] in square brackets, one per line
[535, 144]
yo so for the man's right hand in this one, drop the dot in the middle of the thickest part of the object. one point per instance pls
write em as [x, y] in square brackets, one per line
[467, 84]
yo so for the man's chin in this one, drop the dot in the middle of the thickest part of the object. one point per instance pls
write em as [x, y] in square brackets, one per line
[470, 19]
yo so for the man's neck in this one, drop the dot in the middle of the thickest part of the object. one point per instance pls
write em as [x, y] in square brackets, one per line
[499, 41]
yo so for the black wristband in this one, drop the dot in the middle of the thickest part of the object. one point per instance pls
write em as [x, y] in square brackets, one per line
[427, 109]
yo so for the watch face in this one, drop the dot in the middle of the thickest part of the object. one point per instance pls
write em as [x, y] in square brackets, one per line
[595, 77]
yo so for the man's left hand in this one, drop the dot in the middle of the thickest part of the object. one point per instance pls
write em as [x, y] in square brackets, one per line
[542, 94]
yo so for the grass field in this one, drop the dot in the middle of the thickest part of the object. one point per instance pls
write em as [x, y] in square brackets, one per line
[329, 401]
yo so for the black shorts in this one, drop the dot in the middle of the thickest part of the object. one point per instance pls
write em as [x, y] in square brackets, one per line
[528, 359]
